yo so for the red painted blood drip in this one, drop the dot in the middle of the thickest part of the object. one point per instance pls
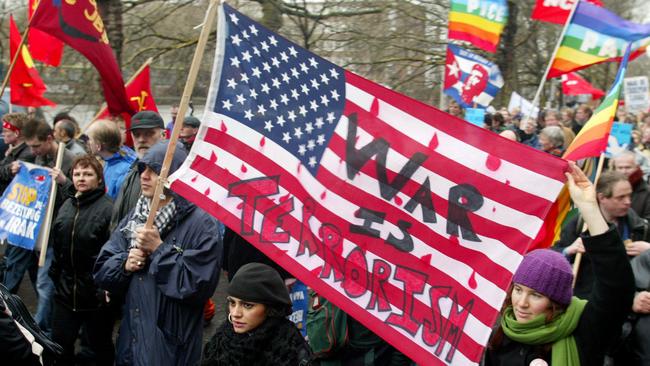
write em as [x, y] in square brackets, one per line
[243, 168]
[433, 144]
[224, 128]
[472, 281]
[493, 163]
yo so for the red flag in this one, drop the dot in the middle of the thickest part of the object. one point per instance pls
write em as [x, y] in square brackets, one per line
[43, 47]
[138, 90]
[27, 87]
[574, 84]
[408, 219]
[556, 11]
[80, 26]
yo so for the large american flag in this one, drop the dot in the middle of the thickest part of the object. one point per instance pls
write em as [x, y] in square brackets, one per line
[410, 220]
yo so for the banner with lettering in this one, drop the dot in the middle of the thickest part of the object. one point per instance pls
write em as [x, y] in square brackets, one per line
[22, 206]
[408, 219]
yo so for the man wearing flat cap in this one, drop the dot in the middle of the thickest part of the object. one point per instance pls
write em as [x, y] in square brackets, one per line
[147, 128]
[189, 130]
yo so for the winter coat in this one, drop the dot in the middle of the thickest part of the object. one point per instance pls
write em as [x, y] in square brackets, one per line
[163, 310]
[76, 147]
[276, 342]
[640, 195]
[14, 347]
[602, 317]
[128, 195]
[115, 170]
[637, 229]
[21, 152]
[78, 233]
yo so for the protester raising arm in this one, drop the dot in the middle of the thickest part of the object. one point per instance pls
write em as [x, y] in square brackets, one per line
[542, 321]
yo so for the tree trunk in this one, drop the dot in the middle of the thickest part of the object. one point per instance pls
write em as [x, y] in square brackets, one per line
[506, 55]
[111, 13]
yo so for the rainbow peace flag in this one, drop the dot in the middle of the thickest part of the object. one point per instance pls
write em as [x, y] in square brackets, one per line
[592, 139]
[479, 22]
[597, 35]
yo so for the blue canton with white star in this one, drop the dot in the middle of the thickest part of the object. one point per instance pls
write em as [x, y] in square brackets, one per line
[279, 89]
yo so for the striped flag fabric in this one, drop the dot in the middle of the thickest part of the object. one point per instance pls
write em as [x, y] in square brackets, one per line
[409, 219]
[471, 79]
[591, 141]
[479, 22]
[597, 35]
[556, 11]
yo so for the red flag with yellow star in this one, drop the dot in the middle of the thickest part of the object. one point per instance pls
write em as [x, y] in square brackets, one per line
[27, 87]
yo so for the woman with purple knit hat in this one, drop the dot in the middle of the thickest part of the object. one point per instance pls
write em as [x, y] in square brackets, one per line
[542, 323]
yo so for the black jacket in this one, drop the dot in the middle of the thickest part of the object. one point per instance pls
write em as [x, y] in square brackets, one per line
[275, 342]
[21, 152]
[641, 199]
[637, 229]
[14, 347]
[78, 233]
[603, 315]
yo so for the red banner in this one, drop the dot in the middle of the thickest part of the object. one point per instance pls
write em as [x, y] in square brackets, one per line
[43, 47]
[556, 11]
[79, 25]
[405, 217]
[27, 87]
[138, 90]
[574, 84]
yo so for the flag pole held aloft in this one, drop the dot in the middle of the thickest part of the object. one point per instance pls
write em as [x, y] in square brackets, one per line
[44, 237]
[182, 109]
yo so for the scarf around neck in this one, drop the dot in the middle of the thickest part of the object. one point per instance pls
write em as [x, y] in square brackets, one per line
[558, 331]
[141, 213]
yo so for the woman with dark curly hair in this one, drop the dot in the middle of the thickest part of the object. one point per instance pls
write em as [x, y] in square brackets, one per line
[257, 331]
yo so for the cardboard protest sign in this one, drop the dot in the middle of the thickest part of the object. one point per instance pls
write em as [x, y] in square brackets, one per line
[636, 94]
[619, 138]
[475, 116]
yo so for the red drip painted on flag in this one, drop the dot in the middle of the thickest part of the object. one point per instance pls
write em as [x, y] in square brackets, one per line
[263, 141]
[213, 158]
[224, 128]
[240, 205]
[323, 195]
[398, 201]
[472, 281]
[243, 168]
[493, 163]
[374, 108]
[194, 179]
[494, 209]
[207, 192]
[433, 144]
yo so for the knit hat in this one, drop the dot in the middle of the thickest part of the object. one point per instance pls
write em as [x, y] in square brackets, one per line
[146, 119]
[257, 282]
[547, 272]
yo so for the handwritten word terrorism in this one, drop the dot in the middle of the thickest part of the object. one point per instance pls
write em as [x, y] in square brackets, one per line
[355, 273]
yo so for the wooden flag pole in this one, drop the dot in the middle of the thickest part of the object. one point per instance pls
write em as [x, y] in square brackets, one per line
[548, 67]
[182, 109]
[47, 223]
[578, 257]
[133, 76]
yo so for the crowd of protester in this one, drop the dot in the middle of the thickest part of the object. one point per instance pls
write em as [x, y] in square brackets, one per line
[105, 266]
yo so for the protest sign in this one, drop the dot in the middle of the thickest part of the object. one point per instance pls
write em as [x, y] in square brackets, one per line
[475, 116]
[635, 90]
[403, 216]
[299, 294]
[22, 206]
[619, 139]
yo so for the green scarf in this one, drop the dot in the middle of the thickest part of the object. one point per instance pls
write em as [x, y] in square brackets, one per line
[559, 332]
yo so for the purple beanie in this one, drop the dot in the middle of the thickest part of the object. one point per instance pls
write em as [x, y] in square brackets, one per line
[547, 272]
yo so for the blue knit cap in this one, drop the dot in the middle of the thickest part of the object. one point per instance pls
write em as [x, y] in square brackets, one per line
[547, 272]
